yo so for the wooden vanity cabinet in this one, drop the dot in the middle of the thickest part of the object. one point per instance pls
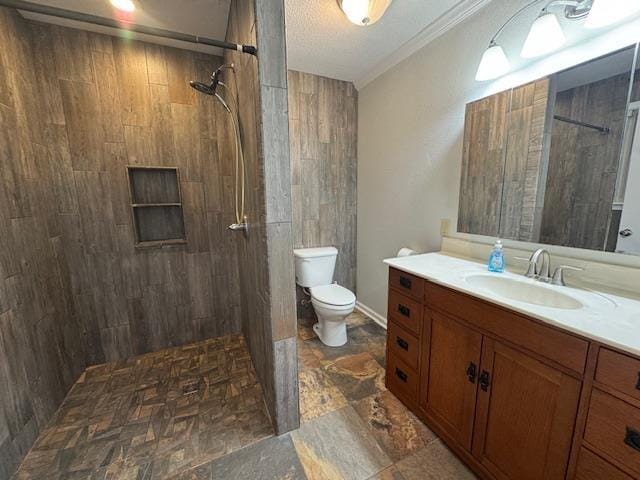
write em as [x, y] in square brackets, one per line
[514, 398]
[449, 375]
[525, 415]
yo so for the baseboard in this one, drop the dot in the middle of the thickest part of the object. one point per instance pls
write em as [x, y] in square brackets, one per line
[379, 319]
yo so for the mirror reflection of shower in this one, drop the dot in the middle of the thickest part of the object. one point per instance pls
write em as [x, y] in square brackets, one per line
[212, 89]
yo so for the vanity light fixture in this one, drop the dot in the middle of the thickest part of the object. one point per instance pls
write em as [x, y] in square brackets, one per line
[364, 12]
[124, 5]
[494, 63]
[546, 35]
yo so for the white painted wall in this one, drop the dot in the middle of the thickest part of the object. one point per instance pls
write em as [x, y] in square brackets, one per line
[411, 122]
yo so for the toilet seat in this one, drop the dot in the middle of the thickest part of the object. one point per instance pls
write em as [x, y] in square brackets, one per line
[333, 296]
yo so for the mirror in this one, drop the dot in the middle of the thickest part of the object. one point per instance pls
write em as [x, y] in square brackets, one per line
[557, 161]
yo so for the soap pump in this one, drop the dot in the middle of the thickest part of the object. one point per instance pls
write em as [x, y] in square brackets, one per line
[496, 258]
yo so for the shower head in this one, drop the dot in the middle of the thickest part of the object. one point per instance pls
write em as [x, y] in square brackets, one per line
[210, 89]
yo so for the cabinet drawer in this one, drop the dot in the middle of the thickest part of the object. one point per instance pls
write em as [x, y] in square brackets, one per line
[405, 311]
[402, 380]
[406, 283]
[613, 427]
[592, 467]
[403, 345]
[619, 372]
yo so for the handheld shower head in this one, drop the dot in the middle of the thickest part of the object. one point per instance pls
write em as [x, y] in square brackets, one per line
[203, 87]
[210, 89]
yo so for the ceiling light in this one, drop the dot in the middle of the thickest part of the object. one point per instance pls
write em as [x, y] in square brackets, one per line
[494, 63]
[124, 5]
[609, 12]
[544, 37]
[364, 12]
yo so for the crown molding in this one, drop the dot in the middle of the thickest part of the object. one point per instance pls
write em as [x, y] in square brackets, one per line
[445, 22]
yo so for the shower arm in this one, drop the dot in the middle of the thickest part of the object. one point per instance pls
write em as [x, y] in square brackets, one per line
[110, 23]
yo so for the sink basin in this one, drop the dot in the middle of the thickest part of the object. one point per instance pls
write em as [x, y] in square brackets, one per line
[524, 291]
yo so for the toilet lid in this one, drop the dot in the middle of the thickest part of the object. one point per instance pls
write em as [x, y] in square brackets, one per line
[333, 295]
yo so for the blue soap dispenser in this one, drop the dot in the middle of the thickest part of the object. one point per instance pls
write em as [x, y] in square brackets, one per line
[496, 259]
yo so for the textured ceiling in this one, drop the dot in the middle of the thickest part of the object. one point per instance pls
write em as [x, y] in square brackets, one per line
[207, 18]
[321, 40]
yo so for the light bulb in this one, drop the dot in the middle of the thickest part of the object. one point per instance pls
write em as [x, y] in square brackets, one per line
[494, 63]
[364, 12]
[357, 11]
[545, 36]
[606, 13]
[124, 5]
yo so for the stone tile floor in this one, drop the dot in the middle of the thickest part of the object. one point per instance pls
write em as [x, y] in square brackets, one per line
[352, 427]
[154, 416]
[133, 419]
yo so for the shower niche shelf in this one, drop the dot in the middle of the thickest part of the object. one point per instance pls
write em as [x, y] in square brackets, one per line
[156, 206]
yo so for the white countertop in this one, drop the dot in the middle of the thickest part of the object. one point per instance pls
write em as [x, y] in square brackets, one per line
[605, 318]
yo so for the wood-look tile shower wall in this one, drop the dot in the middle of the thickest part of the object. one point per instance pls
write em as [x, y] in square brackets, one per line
[266, 254]
[119, 103]
[75, 109]
[41, 346]
[323, 129]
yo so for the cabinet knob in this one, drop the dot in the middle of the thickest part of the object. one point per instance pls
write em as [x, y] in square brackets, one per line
[632, 438]
[472, 372]
[404, 311]
[484, 381]
[405, 282]
[638, 382]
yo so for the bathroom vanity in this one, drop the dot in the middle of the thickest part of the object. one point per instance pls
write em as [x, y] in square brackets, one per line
[521, 380]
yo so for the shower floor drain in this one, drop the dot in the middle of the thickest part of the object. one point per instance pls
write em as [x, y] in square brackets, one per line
[191, 388]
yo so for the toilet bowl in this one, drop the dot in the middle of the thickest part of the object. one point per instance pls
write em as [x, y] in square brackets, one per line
[331, 302]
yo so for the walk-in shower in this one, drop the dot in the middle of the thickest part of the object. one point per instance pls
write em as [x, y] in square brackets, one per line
[212, 89]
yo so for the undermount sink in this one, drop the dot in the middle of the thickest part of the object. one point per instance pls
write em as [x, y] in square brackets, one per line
[524, 291]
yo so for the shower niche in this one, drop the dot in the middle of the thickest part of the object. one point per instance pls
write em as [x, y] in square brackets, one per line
[156, 206]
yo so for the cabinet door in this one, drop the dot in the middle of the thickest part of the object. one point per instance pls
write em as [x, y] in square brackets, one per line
[525, 416]
[451, 359]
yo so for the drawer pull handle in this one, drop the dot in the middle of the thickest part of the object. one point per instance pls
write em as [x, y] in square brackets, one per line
[403, 344]
[401, 375]
[405, 311]
[405, 282]
[472, 372]
[638, 383]
[484, 381]
[632, 438]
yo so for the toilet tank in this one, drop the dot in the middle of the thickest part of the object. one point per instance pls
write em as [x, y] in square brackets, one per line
[315, 266]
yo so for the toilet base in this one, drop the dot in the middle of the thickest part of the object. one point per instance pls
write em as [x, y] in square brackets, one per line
[332, 334]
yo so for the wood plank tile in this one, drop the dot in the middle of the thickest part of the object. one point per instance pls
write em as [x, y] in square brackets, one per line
[131, 67]
[84, 133]
[72, 51]
[107, 85]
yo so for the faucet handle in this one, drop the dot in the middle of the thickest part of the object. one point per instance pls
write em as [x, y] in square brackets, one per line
[532, 270]
[558, 274]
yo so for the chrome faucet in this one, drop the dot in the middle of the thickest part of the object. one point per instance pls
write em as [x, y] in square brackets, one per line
[533, 271]
[542, 274]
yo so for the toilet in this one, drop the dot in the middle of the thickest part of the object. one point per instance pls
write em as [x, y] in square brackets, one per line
[331, 302]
